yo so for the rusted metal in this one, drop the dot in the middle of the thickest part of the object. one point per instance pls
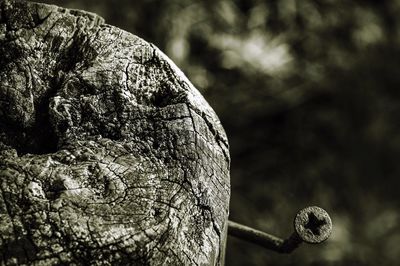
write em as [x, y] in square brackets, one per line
[255, 236]
[312, 225]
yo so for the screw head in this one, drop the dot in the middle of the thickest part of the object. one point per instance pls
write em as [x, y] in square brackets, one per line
[313, 225]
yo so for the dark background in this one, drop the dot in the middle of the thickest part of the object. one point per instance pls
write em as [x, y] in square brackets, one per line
[309, 95]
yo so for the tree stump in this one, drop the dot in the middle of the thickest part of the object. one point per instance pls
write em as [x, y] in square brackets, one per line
[108, 154]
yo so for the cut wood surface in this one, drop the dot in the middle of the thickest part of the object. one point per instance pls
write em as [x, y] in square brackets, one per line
[108, 154]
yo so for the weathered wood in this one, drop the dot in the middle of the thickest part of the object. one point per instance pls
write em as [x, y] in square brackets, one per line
[108, 154]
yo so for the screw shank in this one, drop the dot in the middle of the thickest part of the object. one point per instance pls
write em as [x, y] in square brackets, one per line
[257, 237]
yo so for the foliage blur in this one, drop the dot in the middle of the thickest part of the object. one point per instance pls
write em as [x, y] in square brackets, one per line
[309, 94]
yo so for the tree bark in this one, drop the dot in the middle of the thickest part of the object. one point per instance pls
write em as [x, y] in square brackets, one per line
[108, 154]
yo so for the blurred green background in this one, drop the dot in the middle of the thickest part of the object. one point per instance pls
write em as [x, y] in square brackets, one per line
[309, 95]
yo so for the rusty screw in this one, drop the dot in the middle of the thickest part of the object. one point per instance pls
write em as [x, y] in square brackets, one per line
[312, 225]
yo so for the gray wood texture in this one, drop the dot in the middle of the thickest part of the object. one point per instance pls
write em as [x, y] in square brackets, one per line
[108, 154]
